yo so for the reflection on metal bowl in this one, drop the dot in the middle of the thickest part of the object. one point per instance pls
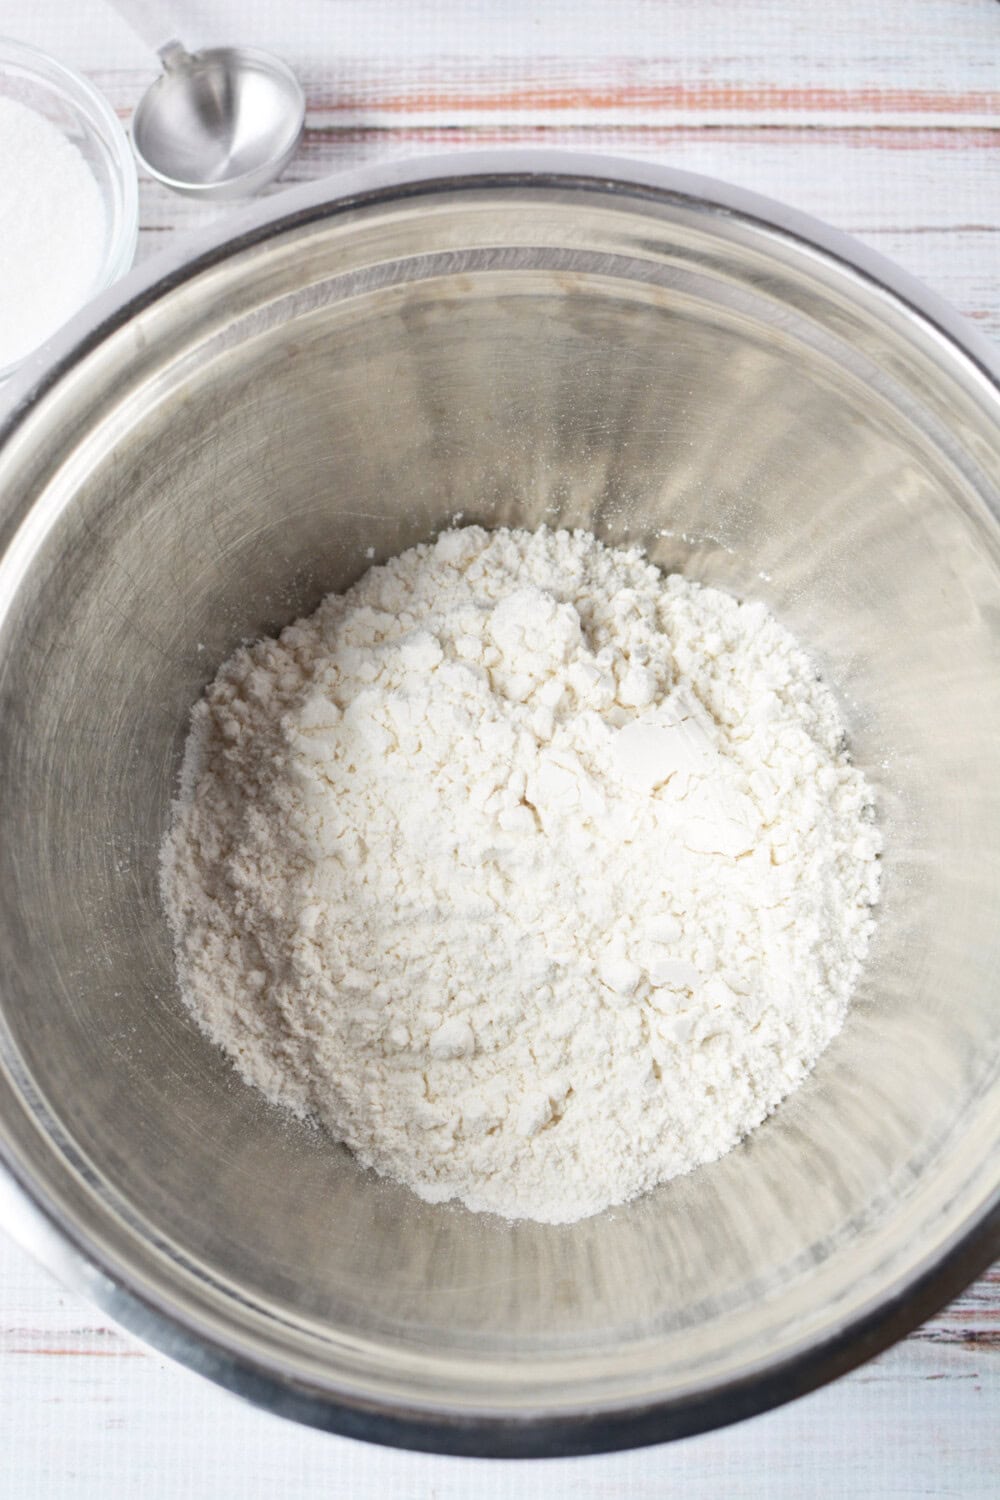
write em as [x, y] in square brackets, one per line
[524, 339]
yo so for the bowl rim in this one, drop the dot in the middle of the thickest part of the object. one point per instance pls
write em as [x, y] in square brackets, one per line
[83, 1264]
[81, 95]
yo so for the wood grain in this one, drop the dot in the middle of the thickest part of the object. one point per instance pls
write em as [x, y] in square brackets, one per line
[882, 119]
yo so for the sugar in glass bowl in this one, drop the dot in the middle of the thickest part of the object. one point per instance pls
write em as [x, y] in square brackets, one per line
[77, 109]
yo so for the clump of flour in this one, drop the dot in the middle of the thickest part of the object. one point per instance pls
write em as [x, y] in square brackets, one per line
[535, 876]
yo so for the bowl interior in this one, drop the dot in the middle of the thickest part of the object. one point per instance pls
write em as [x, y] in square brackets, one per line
[751, 412]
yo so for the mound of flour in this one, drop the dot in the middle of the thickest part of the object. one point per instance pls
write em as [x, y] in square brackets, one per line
[535, 876]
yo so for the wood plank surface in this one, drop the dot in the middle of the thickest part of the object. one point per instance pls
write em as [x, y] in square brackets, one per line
[882, 119]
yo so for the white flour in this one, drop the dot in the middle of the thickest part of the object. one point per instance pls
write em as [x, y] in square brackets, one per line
[537, 877]
[51, 229]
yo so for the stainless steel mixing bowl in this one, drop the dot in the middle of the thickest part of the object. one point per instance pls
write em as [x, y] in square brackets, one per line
[756, 400]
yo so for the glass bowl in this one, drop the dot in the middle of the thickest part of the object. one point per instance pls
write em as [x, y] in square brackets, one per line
[86, 118]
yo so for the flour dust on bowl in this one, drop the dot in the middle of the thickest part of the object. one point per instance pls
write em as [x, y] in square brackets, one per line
[661, 361]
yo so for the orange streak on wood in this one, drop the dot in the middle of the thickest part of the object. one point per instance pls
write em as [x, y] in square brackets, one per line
[699, 97]
[82, 1353]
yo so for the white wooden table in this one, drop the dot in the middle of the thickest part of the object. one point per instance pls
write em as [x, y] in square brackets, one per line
[881, 118]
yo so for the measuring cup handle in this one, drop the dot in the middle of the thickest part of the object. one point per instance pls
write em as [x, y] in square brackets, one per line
[153, 23]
